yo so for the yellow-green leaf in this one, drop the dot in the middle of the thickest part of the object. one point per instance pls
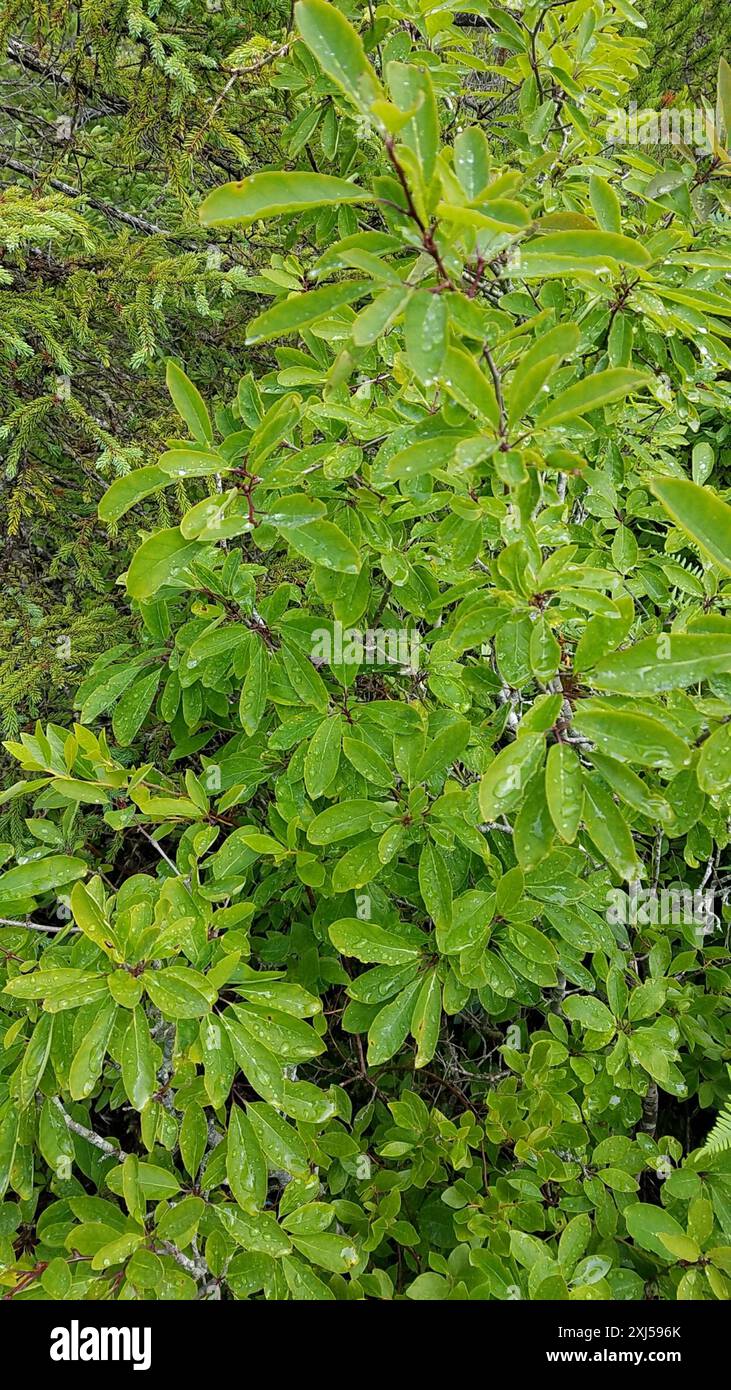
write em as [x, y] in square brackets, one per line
[592, 392]
[339, 51]
[189, 403]
[700, 513]
[262, 196]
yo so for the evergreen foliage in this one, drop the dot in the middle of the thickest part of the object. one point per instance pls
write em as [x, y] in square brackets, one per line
[686, 40]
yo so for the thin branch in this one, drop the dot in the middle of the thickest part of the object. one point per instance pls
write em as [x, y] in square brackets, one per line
[198, 1269]
[236, 73]
[497, 382]
[160, 851]
[112, 1150]
[427, 233]
[34, 926]
[27, 57]
[140, 224]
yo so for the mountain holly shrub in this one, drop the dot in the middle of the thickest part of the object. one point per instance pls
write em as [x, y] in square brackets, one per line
[368, 934]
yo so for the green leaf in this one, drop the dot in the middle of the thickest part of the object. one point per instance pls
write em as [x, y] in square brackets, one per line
[341, 821]
[54, 1141]
[703, 460]
[435, 887]
[189, 403]
[180, 1222]
[117, 1250]
[303, 1284]
[700, 1219]
[591, 393]
[358, 866]
[218, 1060]
[472, 160]
[370, 943]
[425, 329]
[34, 1060]
[589, 1012]
[157, 1184]
[633, 738]
[575, 1237]
[609, 831]
[160, 560]
[367, 761]
[646, 1225]
[670, 661]
[700, 513]
[297, 509]
[533, 944]
[8, 1143]
[323, 756]
[430, 1288]
[281, 1143]
[443, 750]
[258, 1064]
[595, 245]
[56, 1278]
[620, 340]
[246, 1169]
[426, 1019]
[133, 708]
[533, 831]
[606, 204]
[90, 917]
[252, 701]
[724, 98]
[86, 1067]
[630, 13]
[391, 1025]
[327, 1250]
[507, 777]
[544, 650]
[682, 1247]
[564, 790]
[339, 51]
[714, 764]
[263, 196]
[472, 913]
[138, 1061]
[305, 679]
[193, 1138]
[257, 1231]
[412, 91]
[179, 991]
[41, 875]
[463, 379]
[426, 456]
[289, 1038]
[377, 318]
[536, 368]
[191, 463]
[300, 310]
[125, 492]
[145, 1270]
[323, 543]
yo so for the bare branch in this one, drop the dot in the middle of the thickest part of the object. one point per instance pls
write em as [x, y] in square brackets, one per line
[112, 1150]
[140, 224]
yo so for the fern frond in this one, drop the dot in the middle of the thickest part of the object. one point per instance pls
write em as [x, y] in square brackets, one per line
[719, 1139]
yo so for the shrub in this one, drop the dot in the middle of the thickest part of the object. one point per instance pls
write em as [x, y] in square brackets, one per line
[386, 963]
